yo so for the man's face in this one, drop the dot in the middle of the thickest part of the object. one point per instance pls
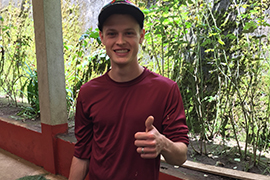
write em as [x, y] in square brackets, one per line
[121, 36]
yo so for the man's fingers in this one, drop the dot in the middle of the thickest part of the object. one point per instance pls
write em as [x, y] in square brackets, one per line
[149, 123]
[144, 136]
[146, 150]
[142, 142]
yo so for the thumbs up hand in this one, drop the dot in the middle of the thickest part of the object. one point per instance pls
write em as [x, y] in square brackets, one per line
[149, 143]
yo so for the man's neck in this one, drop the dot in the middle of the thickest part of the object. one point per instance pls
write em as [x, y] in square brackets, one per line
[125, 74]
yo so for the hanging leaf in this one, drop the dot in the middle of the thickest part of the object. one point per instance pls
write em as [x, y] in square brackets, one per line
[221, 42]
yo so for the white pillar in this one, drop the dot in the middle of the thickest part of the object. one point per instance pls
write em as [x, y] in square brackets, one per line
[50, 61]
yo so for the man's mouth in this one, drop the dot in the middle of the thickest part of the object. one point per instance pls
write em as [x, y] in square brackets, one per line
[121, 51]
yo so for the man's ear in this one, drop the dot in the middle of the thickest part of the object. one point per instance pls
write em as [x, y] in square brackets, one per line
[142, 36]
[101, 36]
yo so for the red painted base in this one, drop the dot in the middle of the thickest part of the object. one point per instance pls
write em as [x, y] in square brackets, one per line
[43, 149]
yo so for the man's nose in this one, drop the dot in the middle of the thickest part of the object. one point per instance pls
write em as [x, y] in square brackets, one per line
[120, 39]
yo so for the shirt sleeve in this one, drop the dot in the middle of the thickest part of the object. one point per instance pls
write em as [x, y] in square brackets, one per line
[83, 130]
[174, 120]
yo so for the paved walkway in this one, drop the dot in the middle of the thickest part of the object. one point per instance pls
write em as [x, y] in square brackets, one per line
[13, 167]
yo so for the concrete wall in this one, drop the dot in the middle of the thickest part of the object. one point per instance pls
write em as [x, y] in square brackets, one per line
[35, 146]
[89, 9]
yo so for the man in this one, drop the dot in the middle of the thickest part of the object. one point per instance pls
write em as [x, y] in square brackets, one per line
[129, 116]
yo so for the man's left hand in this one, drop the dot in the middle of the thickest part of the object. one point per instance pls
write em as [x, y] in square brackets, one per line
[150, 143]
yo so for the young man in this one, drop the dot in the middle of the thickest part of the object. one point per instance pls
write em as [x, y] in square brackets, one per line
[129, 116]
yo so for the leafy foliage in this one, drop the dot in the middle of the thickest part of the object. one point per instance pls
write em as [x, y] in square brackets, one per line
[31, 84]
[36, 177]
[218, 57]
[16, 43]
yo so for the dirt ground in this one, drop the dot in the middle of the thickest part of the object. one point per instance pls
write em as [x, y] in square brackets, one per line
[217, 154]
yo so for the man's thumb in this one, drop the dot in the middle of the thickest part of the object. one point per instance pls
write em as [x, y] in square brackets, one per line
[149, 123]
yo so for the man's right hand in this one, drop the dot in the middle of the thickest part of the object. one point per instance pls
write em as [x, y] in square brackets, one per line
[78, 169]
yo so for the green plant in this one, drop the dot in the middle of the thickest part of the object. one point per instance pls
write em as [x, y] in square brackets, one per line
[217, 63]
[31, 85]
[16, 34]
[35, 177]
[88, 61]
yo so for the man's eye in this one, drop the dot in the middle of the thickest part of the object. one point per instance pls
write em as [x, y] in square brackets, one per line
[129, 33]
[111, 34]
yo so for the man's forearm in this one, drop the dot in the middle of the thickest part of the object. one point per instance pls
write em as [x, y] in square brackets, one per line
[78, 169]
[175, 153]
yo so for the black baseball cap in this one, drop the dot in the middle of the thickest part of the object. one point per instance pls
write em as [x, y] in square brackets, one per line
[120, 7]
